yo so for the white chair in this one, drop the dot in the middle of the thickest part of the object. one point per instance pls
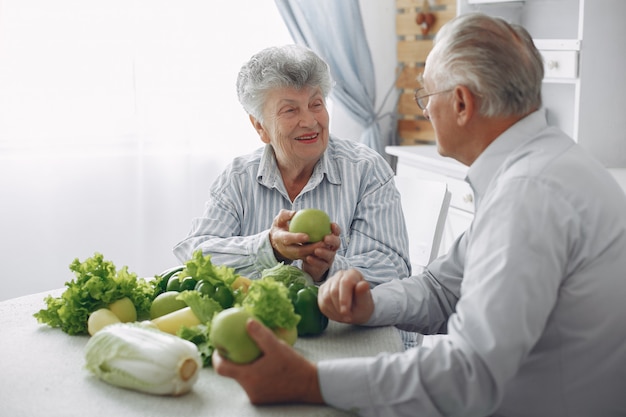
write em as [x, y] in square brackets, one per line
[425, 205]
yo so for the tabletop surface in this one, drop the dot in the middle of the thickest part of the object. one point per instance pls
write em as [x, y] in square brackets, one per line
[42, 373]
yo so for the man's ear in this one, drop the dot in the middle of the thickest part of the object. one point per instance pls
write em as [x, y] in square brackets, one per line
[464, 104]
[259, 129]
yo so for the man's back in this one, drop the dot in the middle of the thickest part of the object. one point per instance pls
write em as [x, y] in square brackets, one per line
[578, 365]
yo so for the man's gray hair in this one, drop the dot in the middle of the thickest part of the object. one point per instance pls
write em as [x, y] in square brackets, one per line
[496, 60]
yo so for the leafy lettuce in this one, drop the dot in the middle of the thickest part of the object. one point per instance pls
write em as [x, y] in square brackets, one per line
[268, 300]
[96, 285]
[200, 267]
[288, 275]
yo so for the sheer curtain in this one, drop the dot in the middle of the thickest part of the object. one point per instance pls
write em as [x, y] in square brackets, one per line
[115, 117]
[334, 29]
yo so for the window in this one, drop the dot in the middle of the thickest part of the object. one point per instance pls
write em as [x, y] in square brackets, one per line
[115, 118]
[123, 72]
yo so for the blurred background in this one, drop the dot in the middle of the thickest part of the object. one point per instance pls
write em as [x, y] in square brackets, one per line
[117, 115]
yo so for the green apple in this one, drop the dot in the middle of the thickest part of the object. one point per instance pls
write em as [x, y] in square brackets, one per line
[230, 337]
[166, 303]
[313, 222]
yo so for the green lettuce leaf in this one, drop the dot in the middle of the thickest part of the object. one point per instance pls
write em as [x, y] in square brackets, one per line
[200, 267]
[203, 306]
[96, 285]
[199, 336]
[288, 275]
[268, 300]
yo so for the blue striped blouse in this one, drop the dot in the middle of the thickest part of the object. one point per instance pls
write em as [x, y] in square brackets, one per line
[351, 182]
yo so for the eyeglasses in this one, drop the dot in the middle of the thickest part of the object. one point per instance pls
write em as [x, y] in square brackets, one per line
[422, 101]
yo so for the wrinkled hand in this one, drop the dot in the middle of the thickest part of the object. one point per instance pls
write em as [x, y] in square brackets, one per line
[346, 297]
[280, 375]
[286, 245]
[319, 261]
[317, 258]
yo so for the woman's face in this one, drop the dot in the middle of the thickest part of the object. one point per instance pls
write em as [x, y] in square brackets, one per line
[296, 125]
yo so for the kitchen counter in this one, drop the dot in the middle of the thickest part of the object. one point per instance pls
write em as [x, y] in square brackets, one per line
[42, 373]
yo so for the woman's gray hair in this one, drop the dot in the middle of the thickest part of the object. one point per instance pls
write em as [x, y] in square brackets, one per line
[496, 60]
[292, 66]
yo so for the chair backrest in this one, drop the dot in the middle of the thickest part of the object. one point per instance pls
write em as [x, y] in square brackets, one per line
[425, 205]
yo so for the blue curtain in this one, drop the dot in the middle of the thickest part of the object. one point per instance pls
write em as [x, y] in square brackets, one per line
[334, 30]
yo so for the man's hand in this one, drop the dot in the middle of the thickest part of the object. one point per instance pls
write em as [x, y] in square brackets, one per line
[346, 297]
[280, 375]
[317, 258]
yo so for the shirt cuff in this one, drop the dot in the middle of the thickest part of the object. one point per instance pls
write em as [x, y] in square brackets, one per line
[265, 253]
[344, 383]
[389, 303]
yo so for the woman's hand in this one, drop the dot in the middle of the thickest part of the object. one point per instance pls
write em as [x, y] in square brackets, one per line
[286, 245]
[317, 258]
[346, 297]
[280, 375]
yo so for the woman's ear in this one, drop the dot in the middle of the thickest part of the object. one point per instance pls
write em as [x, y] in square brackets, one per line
[258, 126]
[464, 104]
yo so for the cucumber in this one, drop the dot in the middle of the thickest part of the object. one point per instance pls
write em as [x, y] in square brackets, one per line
[165, 275]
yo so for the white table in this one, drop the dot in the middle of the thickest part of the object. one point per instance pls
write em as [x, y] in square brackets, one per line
[42, 373]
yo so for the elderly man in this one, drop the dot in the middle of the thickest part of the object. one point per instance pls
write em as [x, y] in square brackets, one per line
[530, 298]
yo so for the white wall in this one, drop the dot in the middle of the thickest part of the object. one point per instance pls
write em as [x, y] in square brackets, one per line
[116, 116]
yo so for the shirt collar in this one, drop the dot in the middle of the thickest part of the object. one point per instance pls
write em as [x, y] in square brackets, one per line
[269, 175]
[485, 167]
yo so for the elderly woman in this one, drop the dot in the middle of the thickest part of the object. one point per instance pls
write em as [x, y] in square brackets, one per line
[246, 220]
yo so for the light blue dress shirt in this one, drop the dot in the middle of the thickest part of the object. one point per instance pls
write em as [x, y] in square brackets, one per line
[532, 297]
[351, 182]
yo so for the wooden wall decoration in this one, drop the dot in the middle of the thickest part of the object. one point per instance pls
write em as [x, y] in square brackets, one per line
[415, 36]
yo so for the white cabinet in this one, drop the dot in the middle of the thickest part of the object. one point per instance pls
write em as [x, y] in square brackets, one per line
[423, 161]
[581, 42]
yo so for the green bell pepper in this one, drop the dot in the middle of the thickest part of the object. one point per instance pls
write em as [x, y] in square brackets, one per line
[312, 320]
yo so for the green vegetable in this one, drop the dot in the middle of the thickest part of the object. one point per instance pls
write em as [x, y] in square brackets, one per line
[173, 283]
[187, 283]
[162, 279]
[224, 296]
[200, 268]
[202, 275]
[143, 359]
[288, 275]
[205, 288]
[303, 295]
[268, 300]
[312, 321]
[199, 336]
[205, 308]
[97, 285]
